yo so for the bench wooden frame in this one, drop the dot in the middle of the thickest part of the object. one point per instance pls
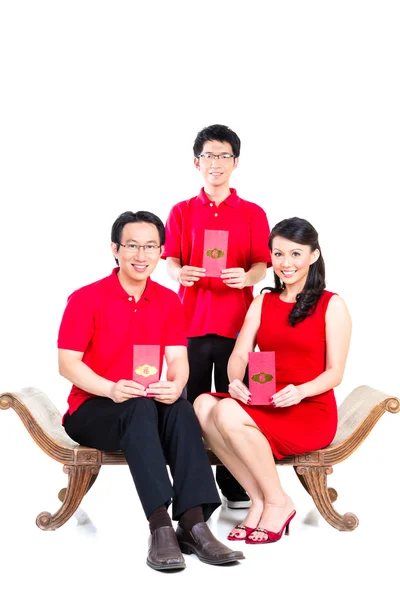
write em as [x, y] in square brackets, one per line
[358, 414]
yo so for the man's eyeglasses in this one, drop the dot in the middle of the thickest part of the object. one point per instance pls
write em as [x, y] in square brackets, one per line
[210, 156]
[135, 248]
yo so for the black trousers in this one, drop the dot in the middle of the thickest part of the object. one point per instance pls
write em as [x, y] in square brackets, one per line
[151, 435]
[205, 353]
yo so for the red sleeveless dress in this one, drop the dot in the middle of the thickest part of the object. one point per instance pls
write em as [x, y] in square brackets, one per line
[299, 357]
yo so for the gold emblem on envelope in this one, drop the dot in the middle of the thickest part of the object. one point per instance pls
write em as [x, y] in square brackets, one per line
[215, 253]
[146, 370]
[262, 377]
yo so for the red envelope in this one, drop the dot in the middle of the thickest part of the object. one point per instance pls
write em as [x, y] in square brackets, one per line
[215, 251]
[262, 377]
[146, 364]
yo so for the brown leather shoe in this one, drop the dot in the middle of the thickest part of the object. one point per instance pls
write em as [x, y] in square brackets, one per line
[164, 552]
[200, 541]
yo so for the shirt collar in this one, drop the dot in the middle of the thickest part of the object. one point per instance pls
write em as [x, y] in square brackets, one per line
[232, 200]
[119, 290]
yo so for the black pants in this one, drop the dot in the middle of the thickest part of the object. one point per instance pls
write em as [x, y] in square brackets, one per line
[151, 435]
[205, 353]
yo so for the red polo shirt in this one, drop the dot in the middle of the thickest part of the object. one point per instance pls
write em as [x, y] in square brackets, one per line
[209, 305]
[104, 322]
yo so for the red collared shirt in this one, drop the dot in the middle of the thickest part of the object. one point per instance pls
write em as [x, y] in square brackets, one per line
[104, 322]
[209, 305]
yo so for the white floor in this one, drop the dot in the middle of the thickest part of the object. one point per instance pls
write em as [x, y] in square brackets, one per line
[101, 551]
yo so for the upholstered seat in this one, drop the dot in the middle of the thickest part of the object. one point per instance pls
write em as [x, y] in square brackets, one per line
[358, 414]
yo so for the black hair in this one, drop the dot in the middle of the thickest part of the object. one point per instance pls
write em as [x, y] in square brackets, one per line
[302, 232]
[221, 133]
[142, 216]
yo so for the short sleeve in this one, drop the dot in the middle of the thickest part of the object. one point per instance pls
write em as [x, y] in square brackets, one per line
[175, 332]
[259, 236]
[173, 234]
[77, 324]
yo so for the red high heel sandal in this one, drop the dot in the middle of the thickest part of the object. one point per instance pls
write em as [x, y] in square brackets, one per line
[235, 538]
[273, 536]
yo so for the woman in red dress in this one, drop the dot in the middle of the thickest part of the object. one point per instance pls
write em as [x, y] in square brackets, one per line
[309, 330]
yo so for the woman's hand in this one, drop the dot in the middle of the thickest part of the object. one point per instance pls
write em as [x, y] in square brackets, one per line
[239, 391]
[288, 396]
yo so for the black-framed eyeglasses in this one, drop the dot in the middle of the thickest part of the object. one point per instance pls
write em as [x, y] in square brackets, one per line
[210, 156]
[135, 248]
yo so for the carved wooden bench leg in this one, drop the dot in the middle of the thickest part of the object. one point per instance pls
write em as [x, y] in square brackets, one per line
[63, 491]
[331, 491]
[79, 479]
[315, 479]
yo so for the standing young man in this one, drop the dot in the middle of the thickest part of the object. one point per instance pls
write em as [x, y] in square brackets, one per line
[215, 307]
[114, 334]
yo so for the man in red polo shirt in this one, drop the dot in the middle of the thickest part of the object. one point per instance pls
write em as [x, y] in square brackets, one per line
[215, 307]
[105, 329]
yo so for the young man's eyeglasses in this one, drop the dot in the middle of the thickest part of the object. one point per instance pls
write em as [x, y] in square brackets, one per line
[135, 248]
[210, 156]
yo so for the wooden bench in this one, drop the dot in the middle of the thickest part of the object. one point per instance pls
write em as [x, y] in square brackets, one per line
[357, 416]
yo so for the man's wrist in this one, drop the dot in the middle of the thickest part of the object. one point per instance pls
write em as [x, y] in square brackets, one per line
[108, 386]
[179, 387]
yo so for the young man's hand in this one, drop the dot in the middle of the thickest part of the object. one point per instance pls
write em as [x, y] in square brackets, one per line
[234, 278]
[125, 389]
[164, 391]
[189, 275]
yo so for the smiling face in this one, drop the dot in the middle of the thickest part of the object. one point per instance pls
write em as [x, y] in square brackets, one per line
[216, 172]
[291, 261]
[136, 266]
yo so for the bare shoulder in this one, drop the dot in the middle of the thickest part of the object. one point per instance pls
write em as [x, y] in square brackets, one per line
[337, 303]
[337, 309]
[254, 311]
[258, 300]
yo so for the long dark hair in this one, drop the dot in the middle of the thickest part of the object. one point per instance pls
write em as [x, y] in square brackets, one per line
[302, 232]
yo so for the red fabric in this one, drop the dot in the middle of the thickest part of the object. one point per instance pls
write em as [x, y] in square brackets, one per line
[104, 322]
[209, 305]
[300, 357]
[260, 365]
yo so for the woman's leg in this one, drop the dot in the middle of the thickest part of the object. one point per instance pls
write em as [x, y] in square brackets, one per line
[234, 493]
[242, 436]
[204, 407]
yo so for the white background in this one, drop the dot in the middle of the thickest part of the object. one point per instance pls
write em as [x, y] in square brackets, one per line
[100, 103]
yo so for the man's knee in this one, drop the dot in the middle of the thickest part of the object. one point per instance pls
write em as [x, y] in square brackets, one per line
[182, 408]
[138, 410]
[182, 413]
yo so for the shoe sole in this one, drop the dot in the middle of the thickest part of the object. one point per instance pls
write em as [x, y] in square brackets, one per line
[238, 504]
[185, 549]
[156, 567]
